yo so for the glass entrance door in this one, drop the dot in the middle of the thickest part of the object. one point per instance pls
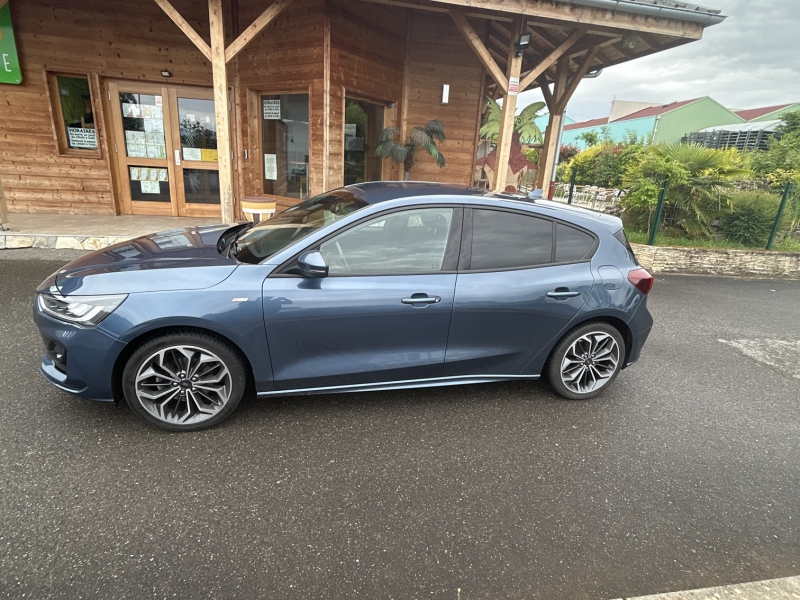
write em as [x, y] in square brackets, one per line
[363, 123]
[166, 150]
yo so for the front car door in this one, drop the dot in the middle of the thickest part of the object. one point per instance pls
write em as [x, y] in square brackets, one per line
[521, 280]
[383, 312]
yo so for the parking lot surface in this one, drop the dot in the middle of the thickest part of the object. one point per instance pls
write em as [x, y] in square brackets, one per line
[683, 475]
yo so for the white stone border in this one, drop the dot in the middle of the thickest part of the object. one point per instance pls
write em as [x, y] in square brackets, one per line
[68, 242]
[718, 261]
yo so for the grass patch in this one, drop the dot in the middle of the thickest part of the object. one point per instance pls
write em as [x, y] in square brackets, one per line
[639, 237]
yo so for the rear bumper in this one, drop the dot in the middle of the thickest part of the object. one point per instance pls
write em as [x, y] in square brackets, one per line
[640, 325]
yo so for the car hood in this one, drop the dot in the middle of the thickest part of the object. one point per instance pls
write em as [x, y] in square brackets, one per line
[179, 259]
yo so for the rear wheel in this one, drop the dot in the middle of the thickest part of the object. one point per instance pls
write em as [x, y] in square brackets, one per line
[586, 360]
[184, 381]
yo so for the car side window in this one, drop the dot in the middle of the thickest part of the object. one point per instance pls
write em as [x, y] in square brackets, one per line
[504, 240]
[572, 244]
[409, 241]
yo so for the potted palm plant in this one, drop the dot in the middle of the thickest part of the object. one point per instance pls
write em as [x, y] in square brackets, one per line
[404, 152]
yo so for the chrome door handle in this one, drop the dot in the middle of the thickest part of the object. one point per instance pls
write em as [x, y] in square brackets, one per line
[559, 295]
[415, 299]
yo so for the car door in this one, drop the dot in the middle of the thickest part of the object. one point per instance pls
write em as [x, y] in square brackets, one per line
[383, 312]
[521, 279]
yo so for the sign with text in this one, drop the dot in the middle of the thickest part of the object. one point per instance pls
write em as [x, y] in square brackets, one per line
[80, 137]
[9, 61]
[513, 86]
[272, 109]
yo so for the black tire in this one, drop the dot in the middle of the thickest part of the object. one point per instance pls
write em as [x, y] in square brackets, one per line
[567, 375]
[201, 377]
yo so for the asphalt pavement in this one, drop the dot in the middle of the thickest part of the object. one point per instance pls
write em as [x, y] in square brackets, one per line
[685, 474]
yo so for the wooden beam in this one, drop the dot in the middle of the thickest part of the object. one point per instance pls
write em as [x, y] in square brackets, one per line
[247, 36]
[568, 12]
[3, 206]
[220, 77]
[184, 26]
[576, 79]
[544, 85]
[506, 134]
[474, 40]
[551, 59]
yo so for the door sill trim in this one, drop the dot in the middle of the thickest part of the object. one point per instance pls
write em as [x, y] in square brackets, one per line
[400, 385]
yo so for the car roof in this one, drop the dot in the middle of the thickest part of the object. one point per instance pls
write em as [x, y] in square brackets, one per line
[374, 192]
[381, 191]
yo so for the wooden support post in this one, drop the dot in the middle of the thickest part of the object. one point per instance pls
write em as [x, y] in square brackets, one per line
[549, 149]
[561, 104]
[184, 26]
[220, 77]
[503, 151]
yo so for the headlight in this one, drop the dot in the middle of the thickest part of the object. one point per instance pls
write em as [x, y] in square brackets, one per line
[83, 310]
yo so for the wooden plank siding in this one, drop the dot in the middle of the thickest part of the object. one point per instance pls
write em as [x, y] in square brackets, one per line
[439, 54]
[134, 41]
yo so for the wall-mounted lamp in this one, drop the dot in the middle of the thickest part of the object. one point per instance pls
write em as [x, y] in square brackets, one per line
[630, 41]
[522, 43]
[445, 93]
[391, 104]
[165, 73]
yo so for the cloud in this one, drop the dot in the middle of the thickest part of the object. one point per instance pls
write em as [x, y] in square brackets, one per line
[750, 59]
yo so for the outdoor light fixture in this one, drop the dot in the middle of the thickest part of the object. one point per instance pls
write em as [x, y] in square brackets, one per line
[165, 73]
[522, 43]
[445, 93]
[629, 41]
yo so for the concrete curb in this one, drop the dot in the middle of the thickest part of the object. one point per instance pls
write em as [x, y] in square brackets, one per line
[787, 588]
[10, 241]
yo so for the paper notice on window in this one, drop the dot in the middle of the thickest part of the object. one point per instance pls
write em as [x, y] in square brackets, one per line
[134, 173]
[150, 187]
[192, 154]
[209, 155]
[513, 86]
[158, 100]
[271, 167]
[80, 137]
[272, 109]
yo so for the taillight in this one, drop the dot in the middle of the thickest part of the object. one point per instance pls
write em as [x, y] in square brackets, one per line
[641, 280]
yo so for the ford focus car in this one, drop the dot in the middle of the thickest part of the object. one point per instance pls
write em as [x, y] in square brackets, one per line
[381, 285]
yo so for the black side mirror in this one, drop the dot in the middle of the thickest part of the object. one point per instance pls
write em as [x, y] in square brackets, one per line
[312, 264]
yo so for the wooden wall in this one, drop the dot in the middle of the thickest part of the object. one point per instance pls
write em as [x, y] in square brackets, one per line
[438, 54]
[368, 49]
[135, 42]
[287, 56]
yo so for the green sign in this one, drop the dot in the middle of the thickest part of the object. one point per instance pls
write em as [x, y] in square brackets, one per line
[9, 61]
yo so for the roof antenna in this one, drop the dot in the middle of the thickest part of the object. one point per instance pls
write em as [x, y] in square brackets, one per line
[535, 195]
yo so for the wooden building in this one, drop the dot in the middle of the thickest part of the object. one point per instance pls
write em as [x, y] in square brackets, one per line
[184, 107]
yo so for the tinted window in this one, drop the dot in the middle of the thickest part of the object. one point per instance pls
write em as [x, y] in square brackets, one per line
[502, 240]
[571, 243]
[411, 241]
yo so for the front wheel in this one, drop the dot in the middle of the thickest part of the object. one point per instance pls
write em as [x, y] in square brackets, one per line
[586, 360]
[184, 381]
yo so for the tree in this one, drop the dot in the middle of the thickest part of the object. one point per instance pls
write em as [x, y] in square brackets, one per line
[698, 192]
[780, 162]
[404, 152]
[590, 138]
[524, 122]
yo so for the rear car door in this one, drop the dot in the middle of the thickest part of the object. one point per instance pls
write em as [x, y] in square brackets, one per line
[383, 312]
[522, 278]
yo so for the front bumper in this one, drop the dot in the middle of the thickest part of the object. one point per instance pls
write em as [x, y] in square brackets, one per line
[90, 358]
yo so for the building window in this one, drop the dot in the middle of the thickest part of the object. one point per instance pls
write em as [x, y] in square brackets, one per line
[73, 111]
[284, 145]
[363, 122]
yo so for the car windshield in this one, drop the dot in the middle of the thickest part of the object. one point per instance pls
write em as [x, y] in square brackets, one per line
[273, 235]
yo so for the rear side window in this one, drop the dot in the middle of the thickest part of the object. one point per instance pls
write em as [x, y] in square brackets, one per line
[503, 240]
[572, 244]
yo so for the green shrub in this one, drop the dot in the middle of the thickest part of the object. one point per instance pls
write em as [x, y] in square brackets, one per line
[751, 217]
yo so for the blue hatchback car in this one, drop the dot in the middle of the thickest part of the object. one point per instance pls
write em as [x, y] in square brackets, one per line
[381, 285]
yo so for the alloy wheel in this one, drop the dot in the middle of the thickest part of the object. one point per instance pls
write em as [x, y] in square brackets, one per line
[590, 362]
[183, 384]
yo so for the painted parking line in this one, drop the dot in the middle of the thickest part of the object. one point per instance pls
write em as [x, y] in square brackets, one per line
[787, 588]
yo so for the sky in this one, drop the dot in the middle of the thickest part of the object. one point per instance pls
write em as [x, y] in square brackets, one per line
[751, 59]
